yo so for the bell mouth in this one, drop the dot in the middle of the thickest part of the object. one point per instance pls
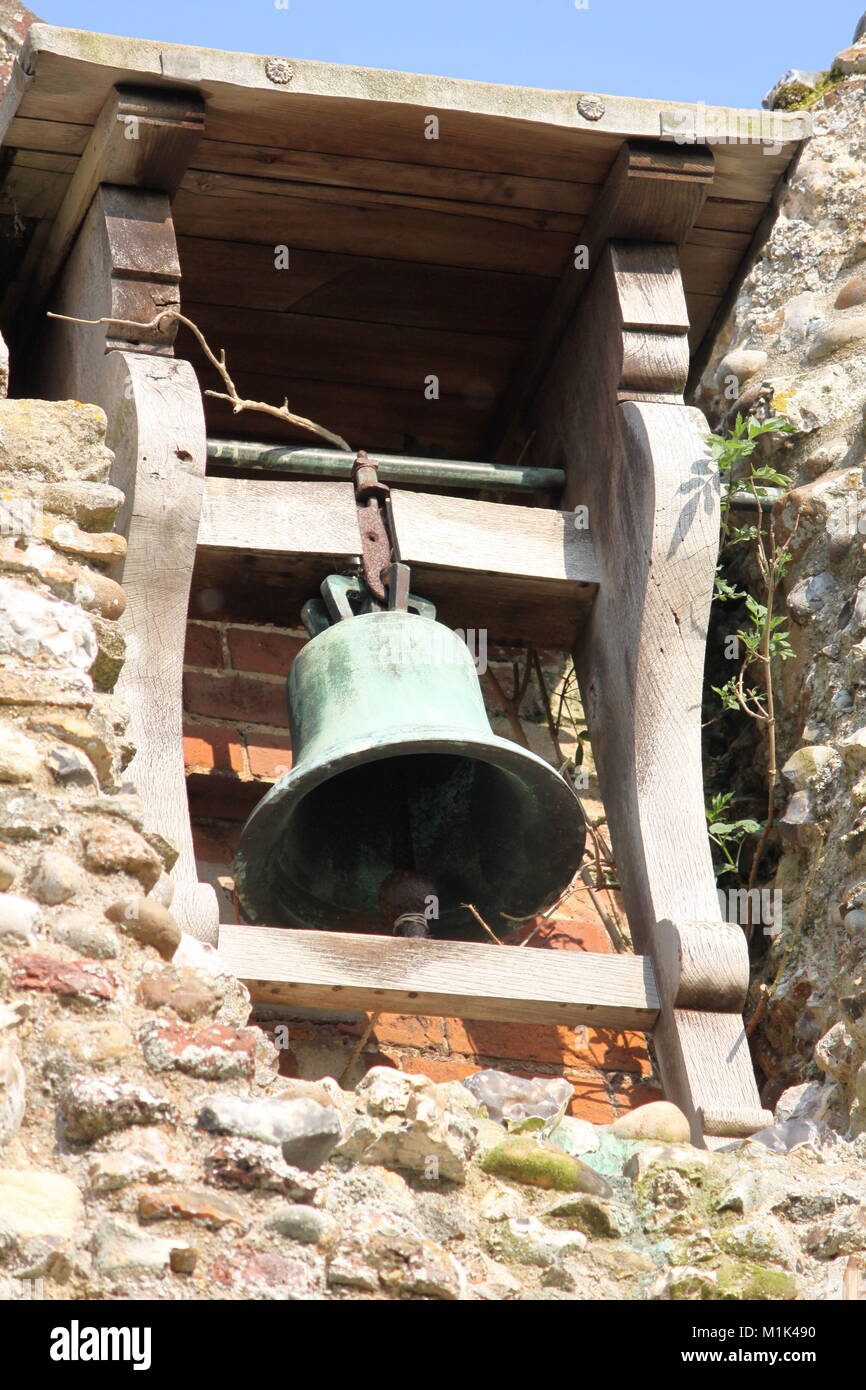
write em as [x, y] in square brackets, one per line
[486, 821]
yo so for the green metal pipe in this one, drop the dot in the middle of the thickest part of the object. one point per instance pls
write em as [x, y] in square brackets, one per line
[393, 468]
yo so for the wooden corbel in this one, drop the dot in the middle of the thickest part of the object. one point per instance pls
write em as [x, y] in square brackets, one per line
[112, 254]
[610, 411]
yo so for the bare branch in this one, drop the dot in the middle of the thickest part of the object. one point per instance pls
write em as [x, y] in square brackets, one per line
[236, 401]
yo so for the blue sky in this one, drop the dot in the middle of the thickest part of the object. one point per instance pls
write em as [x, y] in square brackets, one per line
[687, 50]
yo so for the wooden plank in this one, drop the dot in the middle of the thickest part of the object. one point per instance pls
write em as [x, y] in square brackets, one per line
[730, 214]
[370, 173]
[73, 70]
[34, 192]
[280, 517]
[707, 269]
[249, 588]
[68, 92]
[340, 170]
[492, 538]
[441, 978]
[374, 418]
[330, 285]
[368, 226]
[702, 309]
[731, 207]
[62, 137]
[140, 138]
[653, 193]
[49, 161]
[374, 354]
[233, 187]
[717, 237]
[520, 573]
[714, 323]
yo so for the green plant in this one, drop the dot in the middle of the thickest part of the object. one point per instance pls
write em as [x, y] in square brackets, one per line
[728, 836]
[798, 96]
[763, 637]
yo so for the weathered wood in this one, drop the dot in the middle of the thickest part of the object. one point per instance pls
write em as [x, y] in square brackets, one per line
[333, 285]
[375, 354]
[339, 170]
[716, 314]
[441, 532]
[654, 512]
[653, 194]
[381, 420]
[281, 517]
[337, 220]
[519, 125]
[140, 138]
[502, 191]
[123, 263]
[520, 573]
[441, 978]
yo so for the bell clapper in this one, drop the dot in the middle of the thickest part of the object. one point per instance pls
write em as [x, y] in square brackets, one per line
[403, 897]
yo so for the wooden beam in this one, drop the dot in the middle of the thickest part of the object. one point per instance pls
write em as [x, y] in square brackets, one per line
[654, 511]
[442, 532]
[653, 193]
[441, 978]
[349, 222]
[142, 138]
[123, 264]
[518, 123]
[388, 421]
[280, 517]
[523, 573]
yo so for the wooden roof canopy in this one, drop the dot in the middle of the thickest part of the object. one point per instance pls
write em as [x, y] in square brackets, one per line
[409, 255]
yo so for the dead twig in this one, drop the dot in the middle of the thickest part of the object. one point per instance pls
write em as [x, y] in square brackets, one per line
[511, 703]
[617, 940]
[481, 922]
[235, 400]
[760, 1009]
[359, 1047]
[552, 726]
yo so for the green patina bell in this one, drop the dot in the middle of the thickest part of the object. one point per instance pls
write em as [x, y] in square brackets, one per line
[398, 775]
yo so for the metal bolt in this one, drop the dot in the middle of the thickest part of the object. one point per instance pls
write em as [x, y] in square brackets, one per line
[591, 108]
[279, 70]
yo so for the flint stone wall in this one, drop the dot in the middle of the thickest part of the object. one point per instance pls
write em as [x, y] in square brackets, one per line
[795, 344]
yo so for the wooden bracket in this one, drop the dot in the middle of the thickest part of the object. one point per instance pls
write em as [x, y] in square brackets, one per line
[123, 264]
[143, 138]
[613, 394]
[653, 193]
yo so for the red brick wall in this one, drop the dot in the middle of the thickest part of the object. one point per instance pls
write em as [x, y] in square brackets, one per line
[236, 743]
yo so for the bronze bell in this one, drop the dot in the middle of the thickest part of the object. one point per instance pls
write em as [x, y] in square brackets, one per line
[401, 798]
